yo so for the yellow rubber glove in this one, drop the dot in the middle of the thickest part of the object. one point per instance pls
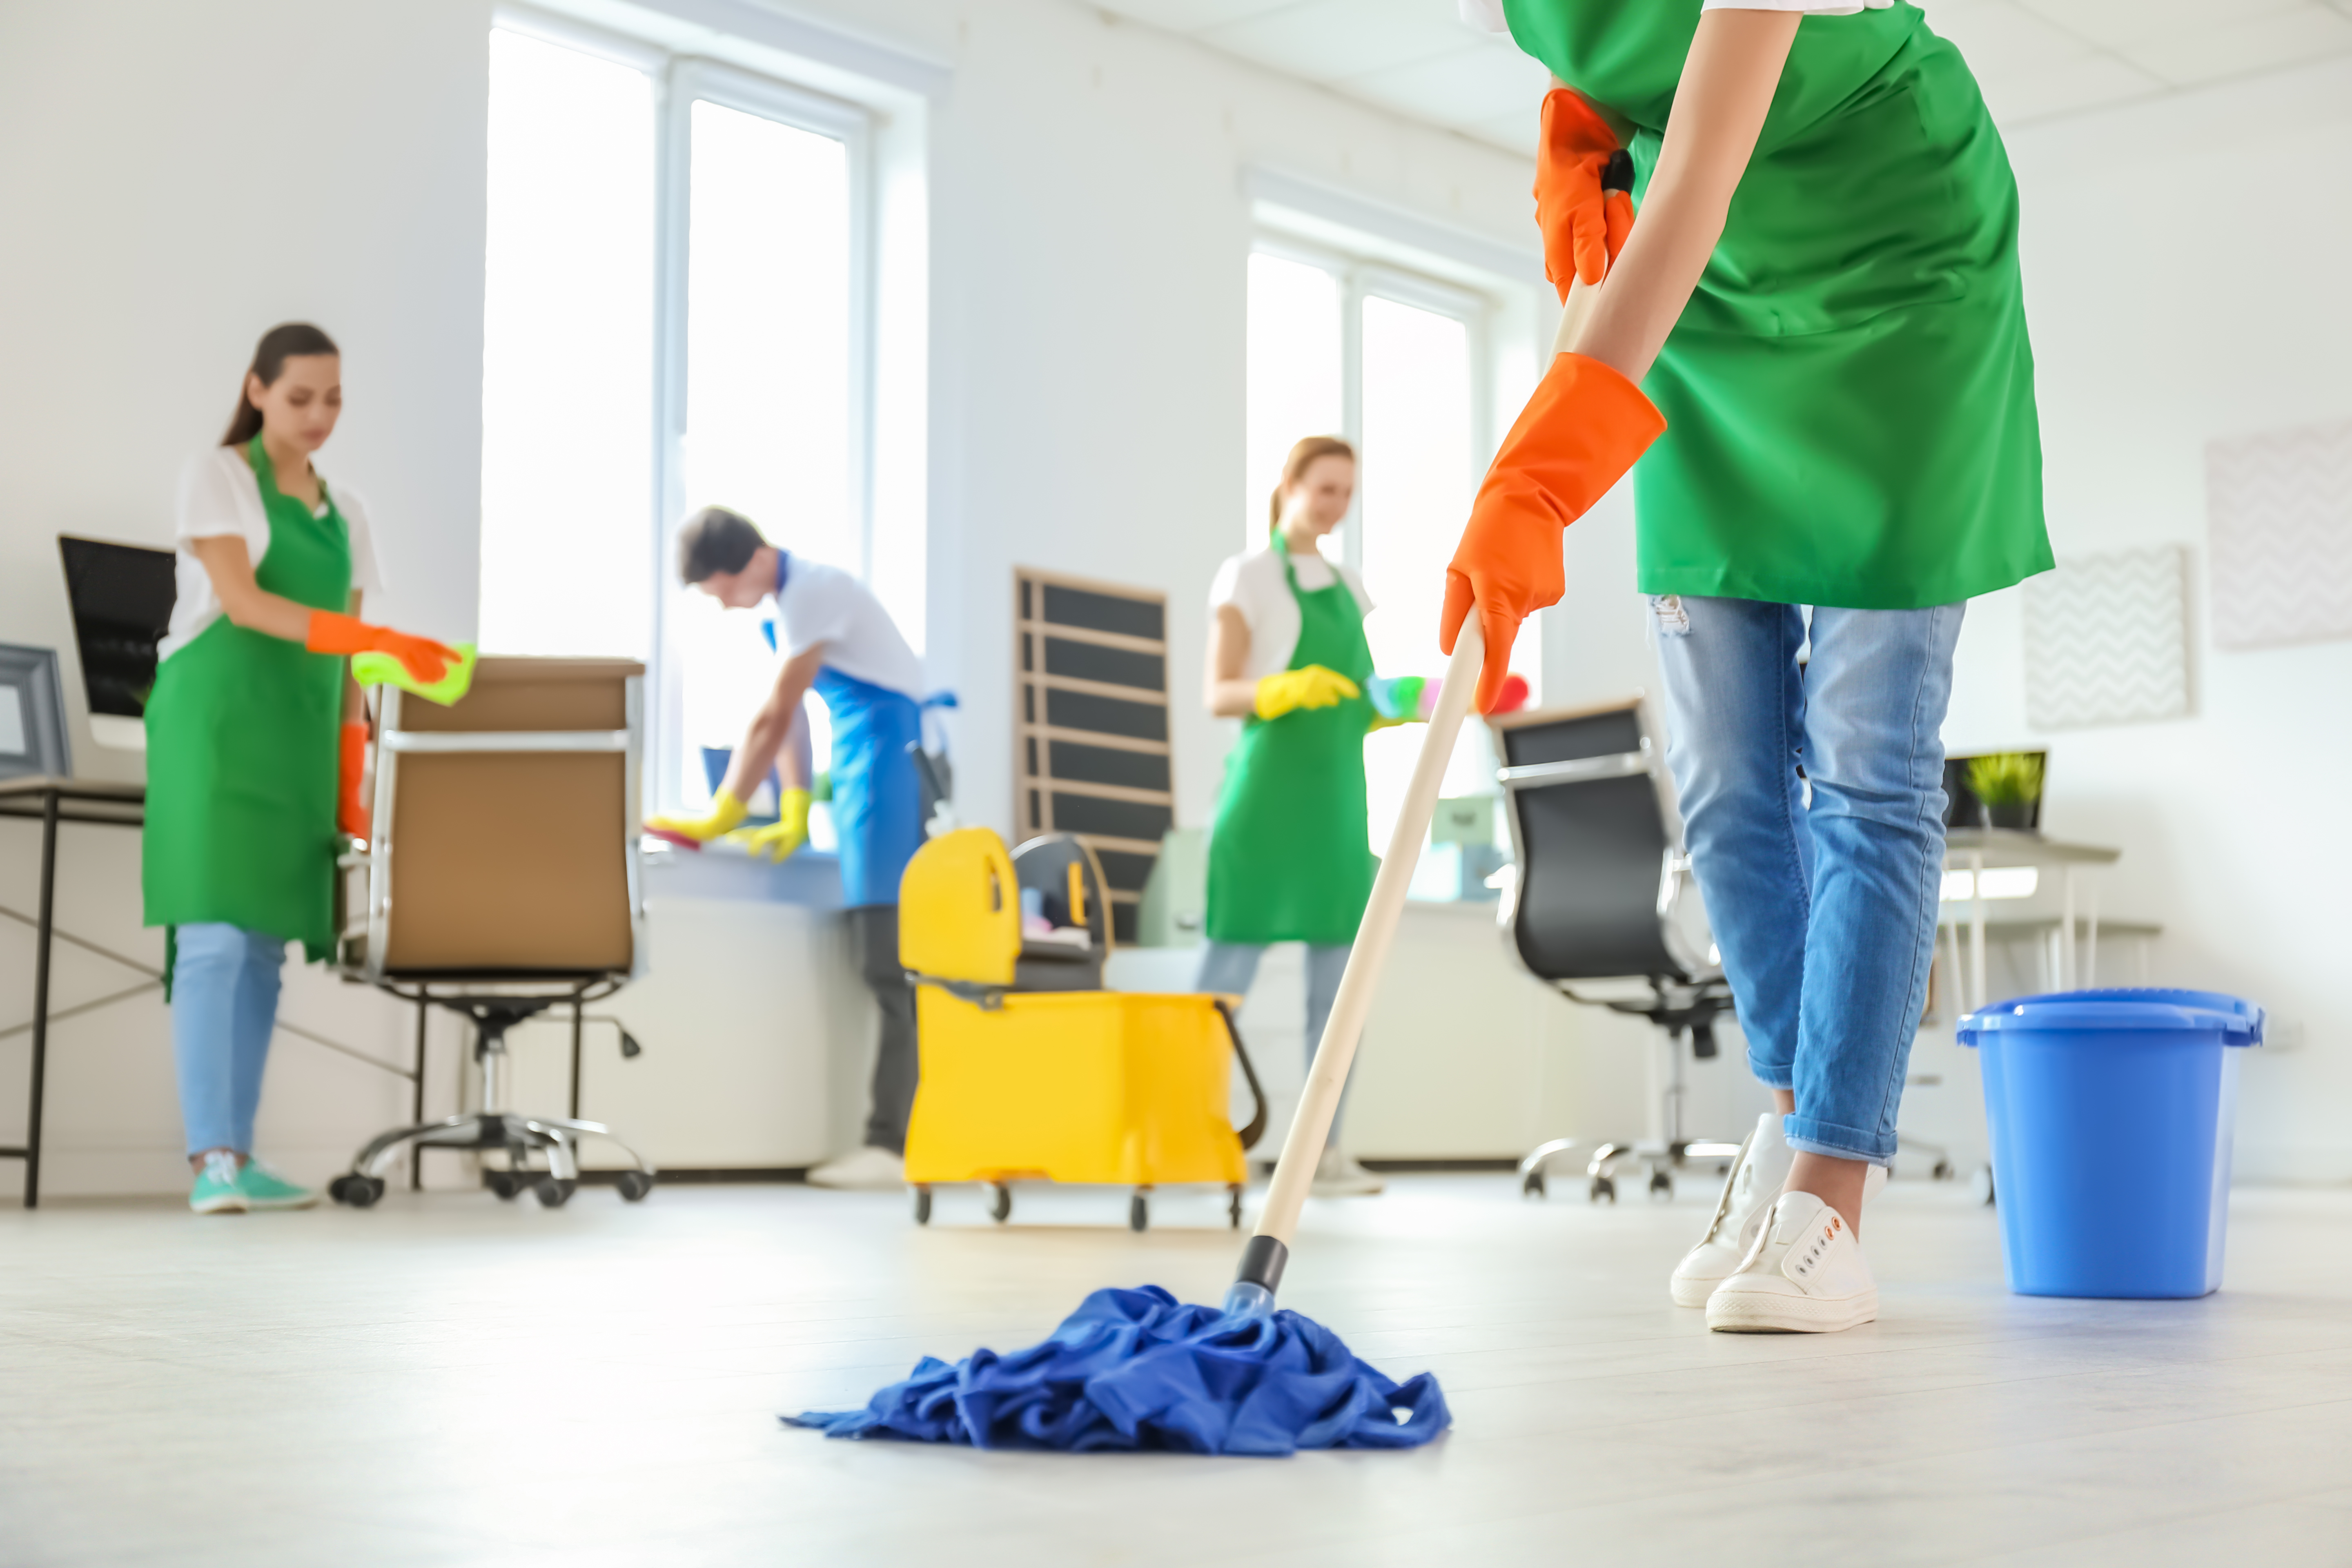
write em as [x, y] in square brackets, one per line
[1312, 686]
[726, 811]
[779, 838]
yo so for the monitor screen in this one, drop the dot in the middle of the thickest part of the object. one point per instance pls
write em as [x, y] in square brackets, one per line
[121, 596]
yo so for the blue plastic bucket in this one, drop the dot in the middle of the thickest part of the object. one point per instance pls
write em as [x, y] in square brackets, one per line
[2111, 1114]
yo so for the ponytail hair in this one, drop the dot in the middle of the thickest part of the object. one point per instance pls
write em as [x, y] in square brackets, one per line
[278, 345]
[1302, 458]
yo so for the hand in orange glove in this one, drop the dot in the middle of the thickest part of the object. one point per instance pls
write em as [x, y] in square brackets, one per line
[1584, 182]
[1583, 428]
[423, 658]
[352, 816]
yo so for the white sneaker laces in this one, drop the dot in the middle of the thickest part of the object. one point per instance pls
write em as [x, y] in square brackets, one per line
[221, 1166]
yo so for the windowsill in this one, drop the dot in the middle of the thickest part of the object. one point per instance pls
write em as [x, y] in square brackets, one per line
[808, 877]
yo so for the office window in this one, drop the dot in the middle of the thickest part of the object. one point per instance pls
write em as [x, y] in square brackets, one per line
[675, 318]
[1393, 362]
[567, 355]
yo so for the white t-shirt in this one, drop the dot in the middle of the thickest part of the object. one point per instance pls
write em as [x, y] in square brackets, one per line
[822, 604]
[1487, 15]
[1253, 585]
[220, 497]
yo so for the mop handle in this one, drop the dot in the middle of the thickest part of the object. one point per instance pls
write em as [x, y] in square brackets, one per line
[1320, 1100]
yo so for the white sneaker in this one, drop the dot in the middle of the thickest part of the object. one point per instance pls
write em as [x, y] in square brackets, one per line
[869, 1170]
[1805, 1275]
[1755, 1179]
[1337, 1175]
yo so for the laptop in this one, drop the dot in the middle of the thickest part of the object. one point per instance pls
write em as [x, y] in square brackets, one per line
[121, 596]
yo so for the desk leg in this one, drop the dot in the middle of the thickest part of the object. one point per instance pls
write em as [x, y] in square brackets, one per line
[2091, 942]
[416, 1096]
[576, 1022]
[41, 999]
[2067, 967]
[1977, 931]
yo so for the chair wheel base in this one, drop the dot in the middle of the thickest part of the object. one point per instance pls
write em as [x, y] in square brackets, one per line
[355, 1190]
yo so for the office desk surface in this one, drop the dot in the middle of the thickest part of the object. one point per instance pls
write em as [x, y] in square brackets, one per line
[78, 800]
[2007, 847]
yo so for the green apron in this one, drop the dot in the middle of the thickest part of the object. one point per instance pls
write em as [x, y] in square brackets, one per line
[241, 750]
[1849, 395]
[1289, 855]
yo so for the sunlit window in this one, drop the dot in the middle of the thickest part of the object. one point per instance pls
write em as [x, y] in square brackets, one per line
[567, 355]
[1412, 381]
[1295, 360]
[591, 455]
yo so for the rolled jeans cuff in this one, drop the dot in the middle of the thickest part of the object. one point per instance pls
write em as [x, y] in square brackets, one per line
[1808, 1136]
[1772, 1074]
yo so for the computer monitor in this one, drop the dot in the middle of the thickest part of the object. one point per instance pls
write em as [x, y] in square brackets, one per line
[121, 596]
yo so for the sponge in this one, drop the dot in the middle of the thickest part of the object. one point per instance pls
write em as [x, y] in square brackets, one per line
[384, 669]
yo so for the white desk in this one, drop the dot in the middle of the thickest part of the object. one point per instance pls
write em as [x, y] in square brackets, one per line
[2069, 932]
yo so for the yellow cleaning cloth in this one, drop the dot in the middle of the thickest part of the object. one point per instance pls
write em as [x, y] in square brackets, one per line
[384, 669]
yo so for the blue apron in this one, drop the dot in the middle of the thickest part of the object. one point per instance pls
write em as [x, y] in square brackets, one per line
[877, 795]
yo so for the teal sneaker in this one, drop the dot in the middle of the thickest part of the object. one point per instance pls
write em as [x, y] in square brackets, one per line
[263, 1188]
[216, 1190]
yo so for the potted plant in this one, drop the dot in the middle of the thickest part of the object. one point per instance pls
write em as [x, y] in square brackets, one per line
[2007, 785]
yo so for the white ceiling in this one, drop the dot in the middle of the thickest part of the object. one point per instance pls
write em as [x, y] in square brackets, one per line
[2036, 59]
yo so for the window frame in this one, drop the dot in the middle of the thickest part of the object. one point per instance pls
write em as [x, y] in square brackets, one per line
[1361, 278]
[680, 80]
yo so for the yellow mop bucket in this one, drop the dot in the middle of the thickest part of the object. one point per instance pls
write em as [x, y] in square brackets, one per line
[1067, 1085]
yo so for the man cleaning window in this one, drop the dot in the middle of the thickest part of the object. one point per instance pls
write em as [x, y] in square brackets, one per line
[837, 639]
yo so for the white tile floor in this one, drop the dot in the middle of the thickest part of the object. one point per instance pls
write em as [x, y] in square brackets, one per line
[449, 1380]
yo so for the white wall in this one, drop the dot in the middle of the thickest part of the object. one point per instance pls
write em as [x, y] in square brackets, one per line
[2185, 274]
[178, 178]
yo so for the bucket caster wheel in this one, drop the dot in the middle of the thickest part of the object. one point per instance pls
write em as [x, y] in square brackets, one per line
[922, 1205]
[1662, 1185]
[1603, 1187]
[1533, 1187]
[1000, 1203]
[552, 1192]
[506, 1184]
[354, 1190]
[1941, 1170]
[1139, 1212]
[1981, 1185]
[634, 1185]
[1234, 1207]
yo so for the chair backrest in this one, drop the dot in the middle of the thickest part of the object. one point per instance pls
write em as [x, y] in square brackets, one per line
[1601, 870]
[507, 827]
[1072, 895]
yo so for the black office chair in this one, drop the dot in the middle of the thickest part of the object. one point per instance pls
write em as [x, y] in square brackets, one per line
[1068, 881]
[1598, 901]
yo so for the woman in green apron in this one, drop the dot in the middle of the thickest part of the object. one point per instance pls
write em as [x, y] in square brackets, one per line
[1290, 857]
[255, 745]
[1817, 319]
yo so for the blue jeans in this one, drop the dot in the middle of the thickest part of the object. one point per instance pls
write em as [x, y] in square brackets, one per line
[1230, 967]
[1822, 898]
[224, 1008]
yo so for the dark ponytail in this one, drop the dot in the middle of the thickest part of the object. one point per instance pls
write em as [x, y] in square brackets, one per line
[278, 345]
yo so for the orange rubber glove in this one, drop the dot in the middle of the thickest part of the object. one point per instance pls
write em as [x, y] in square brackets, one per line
[1584, 182]
[1583, 428]
[352, 816]
[423, 658]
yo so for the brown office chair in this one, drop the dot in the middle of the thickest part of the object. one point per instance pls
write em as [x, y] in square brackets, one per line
[502, 881]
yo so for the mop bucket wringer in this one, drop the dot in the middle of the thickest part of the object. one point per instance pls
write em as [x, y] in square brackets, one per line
[1030, 1070]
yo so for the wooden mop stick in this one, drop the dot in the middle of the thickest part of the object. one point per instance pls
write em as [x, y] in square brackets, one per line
[1262, 1259]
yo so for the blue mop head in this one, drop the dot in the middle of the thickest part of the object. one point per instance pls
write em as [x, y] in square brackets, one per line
[1139, 1369]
